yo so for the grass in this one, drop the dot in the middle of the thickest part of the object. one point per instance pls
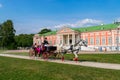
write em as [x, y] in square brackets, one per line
[20, 69]
[105, 58]
[2, 51]
[19, 53]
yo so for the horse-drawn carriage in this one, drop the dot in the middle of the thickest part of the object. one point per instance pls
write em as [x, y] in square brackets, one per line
[45, 51]
[49, 51]
[55, 51]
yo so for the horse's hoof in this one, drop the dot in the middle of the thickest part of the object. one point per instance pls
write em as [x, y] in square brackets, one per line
[62, 58]
[75, 59]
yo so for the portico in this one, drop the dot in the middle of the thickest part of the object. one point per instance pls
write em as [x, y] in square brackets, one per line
[67, 36]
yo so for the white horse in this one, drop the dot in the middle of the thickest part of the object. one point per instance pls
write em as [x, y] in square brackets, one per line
[72, 48]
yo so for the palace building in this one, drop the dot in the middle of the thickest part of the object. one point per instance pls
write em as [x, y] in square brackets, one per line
[98, 37]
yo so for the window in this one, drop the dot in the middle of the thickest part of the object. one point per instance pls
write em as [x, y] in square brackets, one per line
[86, 40]
[109, 40]
[116, 40]
[70, 41]
[97, 41]
[50, 42]
[103, 41]
[60, 41]
[91, 41]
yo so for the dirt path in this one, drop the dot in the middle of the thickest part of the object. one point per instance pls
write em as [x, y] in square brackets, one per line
[89, 64]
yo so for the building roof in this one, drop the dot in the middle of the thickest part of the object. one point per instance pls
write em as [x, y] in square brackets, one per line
[87, 29]
[96, 28]
[48, 33]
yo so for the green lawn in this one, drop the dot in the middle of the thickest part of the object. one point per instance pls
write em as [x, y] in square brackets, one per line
[105, 58]
[20, 69]
[2, 51]
[19, 53]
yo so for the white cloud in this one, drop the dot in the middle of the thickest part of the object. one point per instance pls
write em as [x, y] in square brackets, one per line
[62, 25]
[35, 26]
[1, 5]
[81, 23]
[118, 19]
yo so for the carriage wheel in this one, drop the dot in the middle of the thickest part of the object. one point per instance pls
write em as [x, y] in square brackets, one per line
[44, 55]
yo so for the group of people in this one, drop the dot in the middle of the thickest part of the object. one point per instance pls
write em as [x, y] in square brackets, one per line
[39, 49]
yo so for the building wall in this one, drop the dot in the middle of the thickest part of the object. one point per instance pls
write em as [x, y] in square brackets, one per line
[107, 38]
[99, 38]
[102, 39]
[39, 39]
[51, 39]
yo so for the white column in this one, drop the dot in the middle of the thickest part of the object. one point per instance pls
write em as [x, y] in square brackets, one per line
[58, 39]
[68, 40]
[73, 38]
[39, 41]
[113, 38]
[34, 39]
[62, 40]
[78, 38]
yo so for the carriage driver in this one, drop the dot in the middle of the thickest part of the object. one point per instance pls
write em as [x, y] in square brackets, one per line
[45, 42]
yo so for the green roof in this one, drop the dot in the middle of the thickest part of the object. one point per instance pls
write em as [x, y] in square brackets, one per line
[48, 33]
[96, 28]
[87, 29]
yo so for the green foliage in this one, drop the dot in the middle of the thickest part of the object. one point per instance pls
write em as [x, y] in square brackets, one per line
[45, 30]
[7, 33]
[24, 40]
[20, 69]
[0, 35]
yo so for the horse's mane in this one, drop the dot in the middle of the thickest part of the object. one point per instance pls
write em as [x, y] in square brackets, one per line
[76, 43]
[79, 42]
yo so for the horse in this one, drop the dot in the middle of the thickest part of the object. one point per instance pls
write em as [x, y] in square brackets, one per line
[72, 48]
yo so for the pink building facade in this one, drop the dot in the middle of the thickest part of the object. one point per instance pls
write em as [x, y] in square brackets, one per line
[97, 39]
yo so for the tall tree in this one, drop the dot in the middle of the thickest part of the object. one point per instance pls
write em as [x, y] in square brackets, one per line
[45, 30]
[8, 33]
[0, 35]
[24, 40]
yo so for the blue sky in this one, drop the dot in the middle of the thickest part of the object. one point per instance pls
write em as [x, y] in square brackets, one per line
[30, 16]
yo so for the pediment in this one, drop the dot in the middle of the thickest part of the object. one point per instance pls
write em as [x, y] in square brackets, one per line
[65, 30]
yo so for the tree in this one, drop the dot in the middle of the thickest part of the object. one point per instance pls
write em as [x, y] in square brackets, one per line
[24, 40]
[45, 30]
[8, 33]
[0, 35]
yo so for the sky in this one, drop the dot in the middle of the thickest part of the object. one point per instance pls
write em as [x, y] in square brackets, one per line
[30, 16]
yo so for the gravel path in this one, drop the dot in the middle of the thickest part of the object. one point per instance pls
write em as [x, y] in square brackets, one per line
[89, 64]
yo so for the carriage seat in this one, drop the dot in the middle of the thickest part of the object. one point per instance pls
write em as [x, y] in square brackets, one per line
[51, 48]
